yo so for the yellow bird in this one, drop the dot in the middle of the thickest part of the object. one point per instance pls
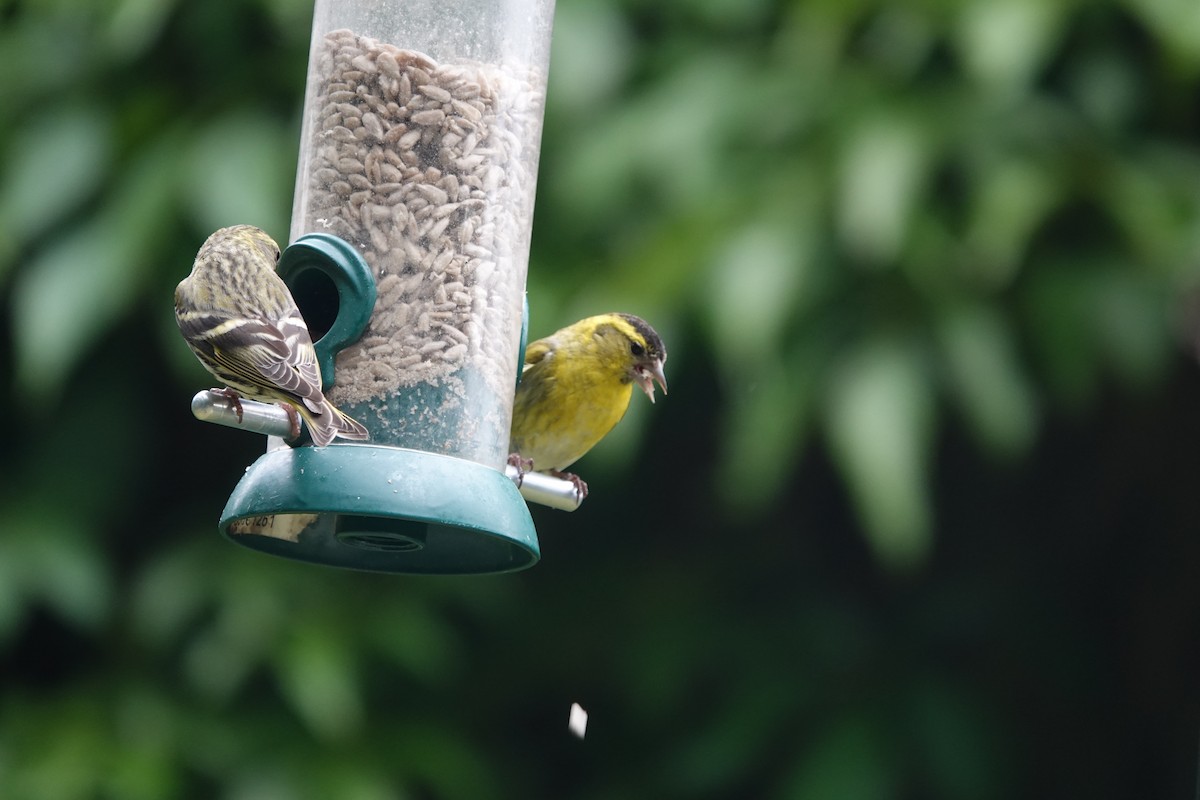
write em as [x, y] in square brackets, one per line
[575, 388]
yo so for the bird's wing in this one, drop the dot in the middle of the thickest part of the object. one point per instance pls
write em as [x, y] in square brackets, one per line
[256, 349]
[537, 351]
[291, 362]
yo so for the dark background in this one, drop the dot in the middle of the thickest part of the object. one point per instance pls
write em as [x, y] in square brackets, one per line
[916, 520]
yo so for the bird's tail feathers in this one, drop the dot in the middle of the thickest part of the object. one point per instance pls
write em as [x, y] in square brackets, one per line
[329, 423]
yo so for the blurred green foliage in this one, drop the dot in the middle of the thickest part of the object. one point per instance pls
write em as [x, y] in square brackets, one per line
[915, 521]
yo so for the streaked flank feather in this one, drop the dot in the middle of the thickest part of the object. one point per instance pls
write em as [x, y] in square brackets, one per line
[240, 320]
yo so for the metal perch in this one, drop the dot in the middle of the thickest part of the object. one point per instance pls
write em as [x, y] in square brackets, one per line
[270, 419]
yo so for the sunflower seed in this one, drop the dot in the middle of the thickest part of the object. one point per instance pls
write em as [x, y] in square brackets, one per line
[435, 92]
[373, 125]
[432, 116]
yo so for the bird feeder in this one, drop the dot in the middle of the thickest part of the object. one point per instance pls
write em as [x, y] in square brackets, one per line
[410, 241]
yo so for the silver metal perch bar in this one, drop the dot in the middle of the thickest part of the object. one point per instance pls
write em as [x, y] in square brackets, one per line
[270, 419]
[265, 418]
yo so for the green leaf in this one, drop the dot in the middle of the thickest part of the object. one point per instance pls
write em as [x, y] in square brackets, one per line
[134, 25]
[1176, 23]
[52, 163]
[754, 285]
[1012, 198]
[144, 766]
[12, 601]
[882, 170]
[1093, 315]
[1058, 319]
[65, 300]
[316, 672]
[71, 292]
[170, 592]
[666, 143]
[880, 413]
[957, 741]
[241, 170]
[1155, 200]
[764, 429]
[1005, 42]
[1132, 324]
[65, 753]
[590, 51]
[733, 739]
[987, 379]
[849, 761]
[61, 566]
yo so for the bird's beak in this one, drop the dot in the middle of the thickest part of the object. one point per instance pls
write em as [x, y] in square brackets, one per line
[646, 374]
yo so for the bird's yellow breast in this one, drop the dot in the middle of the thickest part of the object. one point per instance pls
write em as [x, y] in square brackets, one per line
[569, 400]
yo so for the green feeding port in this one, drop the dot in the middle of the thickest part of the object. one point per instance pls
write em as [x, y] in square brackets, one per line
[379, 505]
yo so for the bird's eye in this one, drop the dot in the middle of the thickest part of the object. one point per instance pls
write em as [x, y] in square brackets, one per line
[636, 349]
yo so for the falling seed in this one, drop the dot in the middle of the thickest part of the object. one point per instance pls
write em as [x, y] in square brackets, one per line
[577, 721]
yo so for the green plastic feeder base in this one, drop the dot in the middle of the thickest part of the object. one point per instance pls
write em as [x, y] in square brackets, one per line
[384, 509]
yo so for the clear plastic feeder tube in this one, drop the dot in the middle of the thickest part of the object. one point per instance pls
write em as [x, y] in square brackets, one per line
[420, 144]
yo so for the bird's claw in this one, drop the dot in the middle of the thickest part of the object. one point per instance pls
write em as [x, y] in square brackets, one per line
[581, 488]
[293, 419]
[235, 400]
[523, 465]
